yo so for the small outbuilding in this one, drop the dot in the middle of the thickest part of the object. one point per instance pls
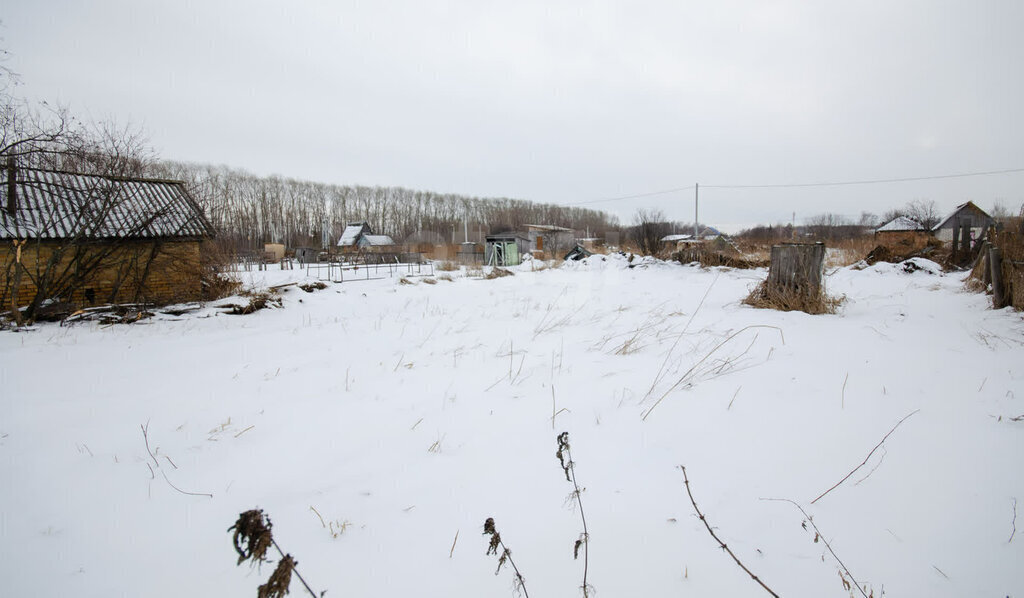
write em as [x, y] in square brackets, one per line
[966, 216]
[964, 230]
[547, 239]
[85, 239]
[506, 249]
[903, 233]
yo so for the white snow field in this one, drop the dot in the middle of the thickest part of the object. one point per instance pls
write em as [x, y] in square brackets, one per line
[405, 414]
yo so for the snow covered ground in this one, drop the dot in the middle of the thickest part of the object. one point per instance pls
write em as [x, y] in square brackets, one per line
[405, 414]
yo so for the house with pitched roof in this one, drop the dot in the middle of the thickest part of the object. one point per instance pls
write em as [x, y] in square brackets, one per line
[359, 237]
[83, 239]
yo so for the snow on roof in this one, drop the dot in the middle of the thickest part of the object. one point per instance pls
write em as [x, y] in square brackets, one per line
[58, 205]
[351, 234]
[901, 223]
[548, 227]
[671, 238]
[379, 240]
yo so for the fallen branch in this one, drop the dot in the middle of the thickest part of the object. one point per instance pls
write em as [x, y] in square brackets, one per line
[721, 544]
[818, 535]
[847, 476]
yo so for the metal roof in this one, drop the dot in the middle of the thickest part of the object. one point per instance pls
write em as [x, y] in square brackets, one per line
[61, 205]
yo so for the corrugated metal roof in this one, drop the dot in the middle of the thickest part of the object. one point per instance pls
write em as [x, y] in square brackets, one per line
[61, 205]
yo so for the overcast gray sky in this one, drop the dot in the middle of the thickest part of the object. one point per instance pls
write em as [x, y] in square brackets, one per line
[559, 102]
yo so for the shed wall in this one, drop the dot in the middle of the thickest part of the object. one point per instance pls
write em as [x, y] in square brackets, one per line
[162, 271]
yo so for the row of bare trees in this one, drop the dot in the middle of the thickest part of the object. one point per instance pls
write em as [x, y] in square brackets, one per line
[249, 210]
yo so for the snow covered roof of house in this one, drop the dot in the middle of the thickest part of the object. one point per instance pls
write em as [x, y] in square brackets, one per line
[351, 233]
[548, 227]
[53, 204]
[379, 240]
[901, 223]
[708, 232]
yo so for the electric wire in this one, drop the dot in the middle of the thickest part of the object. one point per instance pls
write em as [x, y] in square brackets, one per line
[805, 185]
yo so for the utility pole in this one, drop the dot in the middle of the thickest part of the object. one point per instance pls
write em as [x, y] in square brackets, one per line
[696, 196]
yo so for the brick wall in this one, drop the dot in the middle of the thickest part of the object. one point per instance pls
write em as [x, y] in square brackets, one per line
[159, 272]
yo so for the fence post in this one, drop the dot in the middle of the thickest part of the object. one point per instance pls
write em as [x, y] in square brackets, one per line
[986, 270]
[995, 262]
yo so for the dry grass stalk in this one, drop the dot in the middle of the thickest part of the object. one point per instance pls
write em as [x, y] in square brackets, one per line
[252, 536]
[498, 273]
[864, 462]
[818, 536]
[691, 374]
[280, 579]
[446, 266]
[721, 544]
[564, 455]
[252, 539]
[765, 296]
[519, 584]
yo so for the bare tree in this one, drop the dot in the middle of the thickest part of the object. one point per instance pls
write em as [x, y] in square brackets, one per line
[649, 227]
[55, 239]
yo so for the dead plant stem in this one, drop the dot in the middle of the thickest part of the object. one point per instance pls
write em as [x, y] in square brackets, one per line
[686, 376]
[295, 569]
[1014, 522]
[821, 536]
[854, 470]
[721, 544]
[583, 518]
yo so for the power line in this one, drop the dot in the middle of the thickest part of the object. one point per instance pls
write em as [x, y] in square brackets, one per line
[580, 203]
[800, 185]
[869, 182]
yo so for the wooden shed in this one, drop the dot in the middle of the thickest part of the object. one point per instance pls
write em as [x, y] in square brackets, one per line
[84, 239]
[506, 249]
[966, 216]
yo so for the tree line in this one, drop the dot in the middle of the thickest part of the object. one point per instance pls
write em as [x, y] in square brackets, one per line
[249, 210]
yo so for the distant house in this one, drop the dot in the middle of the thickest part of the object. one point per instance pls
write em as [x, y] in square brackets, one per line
[90, 239]
[680, 240]
[547, 239]
[903, 233]
[358, 236]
